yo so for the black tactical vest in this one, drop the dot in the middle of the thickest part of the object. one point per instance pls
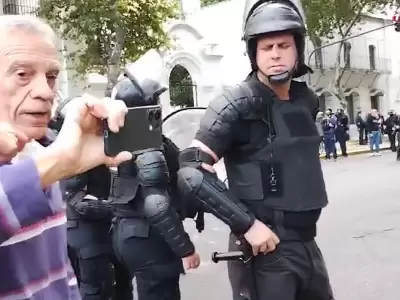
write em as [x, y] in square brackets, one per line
[278, 163]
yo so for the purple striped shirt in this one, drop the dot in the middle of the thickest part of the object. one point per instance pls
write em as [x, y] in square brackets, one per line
[33, 244]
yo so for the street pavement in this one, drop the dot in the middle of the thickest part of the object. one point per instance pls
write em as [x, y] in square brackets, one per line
[359, 234]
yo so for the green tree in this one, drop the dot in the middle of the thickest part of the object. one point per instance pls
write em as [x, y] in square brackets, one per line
[330, 18]
[111, 32]
[209, 2]
[181, 87]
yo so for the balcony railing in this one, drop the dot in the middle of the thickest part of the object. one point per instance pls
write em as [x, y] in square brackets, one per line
[20, 7]
[357, 62]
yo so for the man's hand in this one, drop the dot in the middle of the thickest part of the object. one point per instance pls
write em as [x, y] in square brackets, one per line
[80, 143]
[12, 141]
[261, 238]
[191, 261]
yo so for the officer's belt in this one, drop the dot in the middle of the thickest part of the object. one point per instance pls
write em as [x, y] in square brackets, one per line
[291, 234]
[275, 219]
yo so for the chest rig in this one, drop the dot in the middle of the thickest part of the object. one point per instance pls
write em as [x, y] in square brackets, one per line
[278, 163]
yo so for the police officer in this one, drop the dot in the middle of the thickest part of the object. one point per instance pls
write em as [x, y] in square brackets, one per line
[148, 235]
[342, 130]
[264, 129]
[329, 126]
[390, 129]
[88, 225]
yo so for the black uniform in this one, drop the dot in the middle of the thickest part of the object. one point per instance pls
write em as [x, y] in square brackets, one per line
[362, 133]
[270, 151]
[148, 234]
[99, 274]
[390, 130]
[88, 225]
[341, 132]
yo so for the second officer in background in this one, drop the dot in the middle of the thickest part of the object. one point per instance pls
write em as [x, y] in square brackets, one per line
[100, 275]
[148, 234]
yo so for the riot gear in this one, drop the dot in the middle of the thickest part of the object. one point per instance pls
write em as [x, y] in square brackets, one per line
[263, 17]
[89, 221]
[270, 152]
[142, 198]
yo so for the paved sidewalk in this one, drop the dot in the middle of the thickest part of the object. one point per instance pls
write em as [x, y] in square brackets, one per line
[353, 148]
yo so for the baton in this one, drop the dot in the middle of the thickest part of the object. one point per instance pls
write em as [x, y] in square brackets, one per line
[249, 292]
[228, 256]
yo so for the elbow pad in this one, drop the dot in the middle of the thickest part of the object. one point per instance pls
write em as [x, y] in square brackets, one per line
[215, 197]
[152, 169]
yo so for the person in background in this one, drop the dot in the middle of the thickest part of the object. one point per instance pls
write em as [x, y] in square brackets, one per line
[318, 122]
[374, 123]
[33, 244]
[390, 129]
[329, 127]
[360, 123]
[342, 130]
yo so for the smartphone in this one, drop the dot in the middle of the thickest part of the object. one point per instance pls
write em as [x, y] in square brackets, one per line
[142, 130]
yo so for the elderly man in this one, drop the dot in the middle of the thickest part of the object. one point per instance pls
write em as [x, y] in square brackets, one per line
[33, 246]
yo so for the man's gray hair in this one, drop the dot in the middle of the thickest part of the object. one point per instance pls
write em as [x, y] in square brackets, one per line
[28, 23]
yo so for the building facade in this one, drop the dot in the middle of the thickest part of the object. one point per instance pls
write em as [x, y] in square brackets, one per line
[211, 50]
[207, 53]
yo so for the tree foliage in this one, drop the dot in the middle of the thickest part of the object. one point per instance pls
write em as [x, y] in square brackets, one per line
[327, 19]
[111, 32]
[181, 87]
[209, 2]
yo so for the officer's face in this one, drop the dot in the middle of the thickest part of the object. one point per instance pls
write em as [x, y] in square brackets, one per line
[276, 53]
[28, 72]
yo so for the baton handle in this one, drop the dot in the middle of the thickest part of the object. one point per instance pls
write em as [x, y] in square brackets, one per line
[225, 256]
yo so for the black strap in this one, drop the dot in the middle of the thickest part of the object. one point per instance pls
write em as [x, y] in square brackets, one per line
[77, 197]
[195, 155]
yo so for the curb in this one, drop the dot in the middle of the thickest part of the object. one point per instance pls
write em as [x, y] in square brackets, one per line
[356, 152]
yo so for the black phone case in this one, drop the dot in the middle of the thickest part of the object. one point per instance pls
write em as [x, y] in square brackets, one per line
[142, 130]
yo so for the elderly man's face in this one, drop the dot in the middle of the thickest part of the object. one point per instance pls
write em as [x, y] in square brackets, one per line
[28, 72]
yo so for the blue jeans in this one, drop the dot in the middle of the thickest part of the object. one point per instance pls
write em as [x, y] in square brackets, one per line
[374, 140]
[330, 147]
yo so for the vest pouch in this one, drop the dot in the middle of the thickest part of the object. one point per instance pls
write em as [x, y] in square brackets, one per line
[246, 180]
[133, 228]
[123, 189]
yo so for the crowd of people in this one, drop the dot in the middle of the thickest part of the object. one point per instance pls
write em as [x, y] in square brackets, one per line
[334, 128]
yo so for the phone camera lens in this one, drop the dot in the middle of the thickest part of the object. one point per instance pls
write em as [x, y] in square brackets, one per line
[151, 115]
[157, 115]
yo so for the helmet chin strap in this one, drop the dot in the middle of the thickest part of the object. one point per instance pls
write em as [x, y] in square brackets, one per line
[278, 79]
[281, 78]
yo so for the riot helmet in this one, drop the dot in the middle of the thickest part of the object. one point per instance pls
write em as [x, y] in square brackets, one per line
[141, 82]
[275, 16]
